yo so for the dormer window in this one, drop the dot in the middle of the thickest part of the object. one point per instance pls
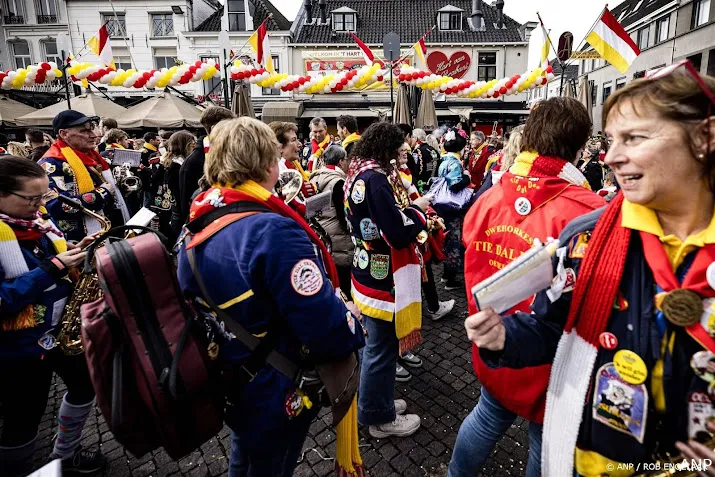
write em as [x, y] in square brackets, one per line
[450, 18]
[344, 19]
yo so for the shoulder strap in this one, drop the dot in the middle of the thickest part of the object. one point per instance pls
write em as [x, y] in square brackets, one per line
[279, 362]
[200, 223]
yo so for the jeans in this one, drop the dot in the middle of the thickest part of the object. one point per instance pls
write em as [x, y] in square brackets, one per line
[481, 430]
[278, 458]
[376, 396]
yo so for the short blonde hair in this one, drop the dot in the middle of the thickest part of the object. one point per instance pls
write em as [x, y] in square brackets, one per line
[242, 149]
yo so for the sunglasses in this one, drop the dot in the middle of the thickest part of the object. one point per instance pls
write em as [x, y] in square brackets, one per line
[34, 200]
[668, 70]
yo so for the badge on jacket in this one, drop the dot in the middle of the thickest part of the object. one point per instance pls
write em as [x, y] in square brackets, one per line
[358, 194]
[578, 245]
[379, 266]
[368, 230]
[306, 278]
[700, 411]
[620, 405]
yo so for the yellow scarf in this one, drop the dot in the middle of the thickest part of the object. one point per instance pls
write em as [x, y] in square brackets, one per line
[149, 147]
[354, 137]
[81, 174]
[116, 146]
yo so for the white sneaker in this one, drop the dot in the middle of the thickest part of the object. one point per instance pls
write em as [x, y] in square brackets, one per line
[444, 308]
[400, 406]
[402, 426]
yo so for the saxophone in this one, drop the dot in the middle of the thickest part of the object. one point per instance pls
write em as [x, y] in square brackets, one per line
[86, 290]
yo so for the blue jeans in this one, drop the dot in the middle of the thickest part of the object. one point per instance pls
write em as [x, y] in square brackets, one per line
[479, 433]
[278, 458]
[376, 396]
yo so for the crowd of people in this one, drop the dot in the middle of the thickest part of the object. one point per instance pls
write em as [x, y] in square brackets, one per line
[600, 363]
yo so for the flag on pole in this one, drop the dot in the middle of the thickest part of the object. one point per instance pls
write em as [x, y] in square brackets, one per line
[100, 45]
[613, 42]
[545, 48]
[261, 46]
[366, 51]
[421, 50]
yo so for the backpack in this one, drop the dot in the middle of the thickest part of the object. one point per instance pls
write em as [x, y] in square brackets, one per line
[147, 350]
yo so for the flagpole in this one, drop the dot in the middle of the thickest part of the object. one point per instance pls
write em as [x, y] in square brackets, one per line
[247, 41]
[421, 38]
[124, 34]
[588, 32]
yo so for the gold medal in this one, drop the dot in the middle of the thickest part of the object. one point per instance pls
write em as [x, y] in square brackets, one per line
[682, 307]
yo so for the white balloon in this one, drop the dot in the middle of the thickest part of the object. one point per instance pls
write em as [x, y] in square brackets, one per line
[50, 75]
[326, 89]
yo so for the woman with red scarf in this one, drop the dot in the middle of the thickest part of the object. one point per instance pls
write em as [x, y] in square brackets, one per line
[34, 261]
[629, 321]
[76, 170]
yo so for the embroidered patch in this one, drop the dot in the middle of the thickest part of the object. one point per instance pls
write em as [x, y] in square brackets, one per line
[89, 198]
[69, 209]
[700, 411]
[351, 322]
[406, 221]
[306, 278]
[522, 206]
[379, 266]
[358, 194]
[708, 319]
[52, 194]
[703, 365]
[67, 170]
[578, 245]
[355, 260]
[363, 259]
[213, 198]
[65, 226]
[47, 341]
[49, 167]
[368, 230]
[60, 183]
[570, 277]
[618, 404]
[39, 314]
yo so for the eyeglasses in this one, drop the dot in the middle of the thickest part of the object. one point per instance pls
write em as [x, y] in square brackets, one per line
[37, 198]
[87, 127]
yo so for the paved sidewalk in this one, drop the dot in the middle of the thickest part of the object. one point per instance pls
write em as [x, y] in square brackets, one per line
[442, 392]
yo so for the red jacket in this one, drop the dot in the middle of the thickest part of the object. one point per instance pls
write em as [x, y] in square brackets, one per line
[494, 234]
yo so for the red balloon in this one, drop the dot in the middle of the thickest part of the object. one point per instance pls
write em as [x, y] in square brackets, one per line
[549, 69]
[509, 84]
[380, 78]
[198, 63]
[448, 91]
[344, 81]
[333, 90]
[503, 90]
[408, 77]
[302, 80]
[496, 94]
[254, 72]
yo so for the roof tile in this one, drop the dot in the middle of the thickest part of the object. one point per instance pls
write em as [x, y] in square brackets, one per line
[262, 8]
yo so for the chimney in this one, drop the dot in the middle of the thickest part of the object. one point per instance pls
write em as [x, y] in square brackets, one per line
[477, 15]
[500, 13]
[308, 4]
[323, 12]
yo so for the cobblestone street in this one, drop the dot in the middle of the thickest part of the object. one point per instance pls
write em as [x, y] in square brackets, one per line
[442, 392]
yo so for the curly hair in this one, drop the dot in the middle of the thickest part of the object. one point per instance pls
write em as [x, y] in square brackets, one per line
[179, 145]
[381, 142]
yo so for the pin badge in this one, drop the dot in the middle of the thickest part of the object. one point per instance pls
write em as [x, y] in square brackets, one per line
[522, 206]
[608, 341]
[630, 367]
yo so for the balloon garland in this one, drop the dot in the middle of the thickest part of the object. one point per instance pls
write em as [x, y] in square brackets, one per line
[32, 75]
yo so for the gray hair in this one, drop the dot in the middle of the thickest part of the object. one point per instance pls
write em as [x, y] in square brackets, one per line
[333, 155]
[419, 134]
[434, 142]
[480, 135]
[318, 122]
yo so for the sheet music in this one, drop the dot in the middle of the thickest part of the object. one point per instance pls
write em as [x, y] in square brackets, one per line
[127, 156]
[318, 203]
[142, 218]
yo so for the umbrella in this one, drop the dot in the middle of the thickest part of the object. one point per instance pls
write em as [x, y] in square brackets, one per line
[401, 114]
[568, 91]
[88, 104]
[163, 111]
[242, 104]
[584, 95]
[426, 115]
[11, 109]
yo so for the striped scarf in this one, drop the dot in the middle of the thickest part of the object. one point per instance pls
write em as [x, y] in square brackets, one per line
[405, 306]
[531, 164]
[315, 161]
[13, 261]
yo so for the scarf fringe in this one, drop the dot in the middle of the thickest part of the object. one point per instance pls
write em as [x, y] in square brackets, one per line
[408, 342]
[348, 462]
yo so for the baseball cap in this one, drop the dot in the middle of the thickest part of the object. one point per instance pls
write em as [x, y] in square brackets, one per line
[69, 119]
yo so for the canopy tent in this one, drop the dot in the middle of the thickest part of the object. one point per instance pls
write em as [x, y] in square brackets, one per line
[426, 115]
[88, 104]
[242, 104]
[585, 95]
[568, 90]
[163, 111]
[402, 107]
[11, 110]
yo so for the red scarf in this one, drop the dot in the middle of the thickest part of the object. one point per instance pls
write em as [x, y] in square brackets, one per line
[30, 229]
[89, 159]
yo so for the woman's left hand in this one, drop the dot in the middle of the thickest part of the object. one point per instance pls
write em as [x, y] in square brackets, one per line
[699, 453]
[84, 243]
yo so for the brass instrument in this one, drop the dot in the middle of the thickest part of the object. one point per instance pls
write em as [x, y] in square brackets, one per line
[86, 290]
[289, 187]
[126, 180]
[672, 470]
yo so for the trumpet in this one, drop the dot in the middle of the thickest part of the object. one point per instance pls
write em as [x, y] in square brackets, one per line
[127, 181]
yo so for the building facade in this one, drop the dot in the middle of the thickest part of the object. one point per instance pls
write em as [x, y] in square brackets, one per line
[666, 31]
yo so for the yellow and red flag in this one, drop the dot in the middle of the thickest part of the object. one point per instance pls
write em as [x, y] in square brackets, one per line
[613, 42]
[262, 47]
[421, 50]
[101, 46]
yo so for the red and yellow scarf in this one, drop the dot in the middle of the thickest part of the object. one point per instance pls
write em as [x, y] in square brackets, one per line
[80, 163]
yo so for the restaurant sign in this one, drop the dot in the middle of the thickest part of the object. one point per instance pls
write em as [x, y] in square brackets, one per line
[324, 63]
[456, 66]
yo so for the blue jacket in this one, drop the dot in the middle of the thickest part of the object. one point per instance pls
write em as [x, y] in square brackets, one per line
[257, 264]
[451, 169]
[531, 340]
[45, 287]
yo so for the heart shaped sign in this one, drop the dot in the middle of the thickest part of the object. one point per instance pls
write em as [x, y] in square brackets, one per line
[455, 66]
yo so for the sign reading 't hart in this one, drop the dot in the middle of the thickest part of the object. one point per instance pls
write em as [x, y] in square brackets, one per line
[456, 66]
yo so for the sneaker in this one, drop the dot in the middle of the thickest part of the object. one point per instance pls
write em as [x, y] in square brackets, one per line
[452, 285]
[402, 375]
[411, 360]
[400, 406]
[402, 426]
[84, 461]
[444, 308]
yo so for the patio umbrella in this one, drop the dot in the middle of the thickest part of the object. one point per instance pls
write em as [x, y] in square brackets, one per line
[584, 95]
[88, 104]
[242, 104]
[163, 111]
[568, 91]
[426, 115]
[401, 114]
[11, 109]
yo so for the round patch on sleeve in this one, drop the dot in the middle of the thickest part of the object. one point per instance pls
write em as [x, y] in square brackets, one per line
[306, 278]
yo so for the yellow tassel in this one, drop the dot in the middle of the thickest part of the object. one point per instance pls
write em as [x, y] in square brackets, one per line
[348, 462]
[25, 319]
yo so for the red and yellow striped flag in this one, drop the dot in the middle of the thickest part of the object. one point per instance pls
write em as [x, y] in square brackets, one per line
[101, 46]
[613, 42]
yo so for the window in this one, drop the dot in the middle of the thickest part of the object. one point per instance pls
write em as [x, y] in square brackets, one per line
[450, 21]
[711, 63]
[662, 27]
[21, 52]
[46, 11]
[122, 60]
[642, 39]
[487, 69]
[606, 92]
[162, 24]
[164, 57]
[273, 91]
[697, 61]
[51, 52]
[236, 15]
[116, 24]
[344, 21]
[13, 12]
[701, 13]
[594, 94]
[620, 83]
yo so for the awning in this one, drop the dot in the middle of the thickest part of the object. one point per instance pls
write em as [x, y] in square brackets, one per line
[334, 113]
[281, 111]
